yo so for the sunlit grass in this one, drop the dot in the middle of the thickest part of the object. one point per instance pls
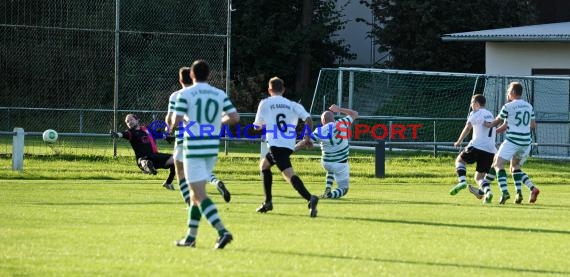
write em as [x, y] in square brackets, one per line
[95, 215]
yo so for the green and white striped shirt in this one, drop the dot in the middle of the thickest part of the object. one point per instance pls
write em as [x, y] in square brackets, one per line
[171, 106]
[518, 114]
[202, 106]
[333, 140]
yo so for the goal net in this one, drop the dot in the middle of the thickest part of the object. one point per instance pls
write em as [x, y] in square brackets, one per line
[439, 101]
[65, 64]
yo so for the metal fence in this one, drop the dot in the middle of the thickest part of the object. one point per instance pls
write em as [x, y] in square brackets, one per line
[440, 101]
[78, 66]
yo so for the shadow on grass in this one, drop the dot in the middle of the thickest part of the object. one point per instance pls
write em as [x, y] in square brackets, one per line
[371, 201]
[107, 203]
[409, 262]
[438, 224]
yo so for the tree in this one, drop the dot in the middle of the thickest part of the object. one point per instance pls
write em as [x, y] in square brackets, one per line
[411, 30]
[289, 39]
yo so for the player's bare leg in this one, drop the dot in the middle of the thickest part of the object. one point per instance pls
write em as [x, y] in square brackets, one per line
[478, 191]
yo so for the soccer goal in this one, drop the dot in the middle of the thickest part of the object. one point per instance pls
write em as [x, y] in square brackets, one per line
[439, 102]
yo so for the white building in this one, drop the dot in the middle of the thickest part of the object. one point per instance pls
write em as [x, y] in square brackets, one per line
[528, 50]
[355, 33]
[535, 50]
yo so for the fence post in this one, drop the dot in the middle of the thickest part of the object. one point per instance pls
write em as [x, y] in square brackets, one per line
[18, 149]
[380, 158]
[81, 121]
[434, 141]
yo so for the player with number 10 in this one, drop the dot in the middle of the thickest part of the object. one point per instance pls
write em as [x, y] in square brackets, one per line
[202, 104]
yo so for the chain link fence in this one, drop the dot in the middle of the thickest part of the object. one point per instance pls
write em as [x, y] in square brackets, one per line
[439, 101]
[76, 66]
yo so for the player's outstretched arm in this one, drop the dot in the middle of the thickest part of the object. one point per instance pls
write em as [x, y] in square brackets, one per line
[169, 121]
[498, 120]
[307, 136]
[302, 144]
[502, 128]
[115, 134]
[532, 124]
[336, 109]
[230, 118]
[463, 134]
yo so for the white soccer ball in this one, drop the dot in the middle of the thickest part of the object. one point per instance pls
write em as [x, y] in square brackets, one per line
[50, 136]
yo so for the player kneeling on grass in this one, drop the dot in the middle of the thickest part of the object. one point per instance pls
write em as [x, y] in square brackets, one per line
[146, 153]
[481, 149]
[335, 149]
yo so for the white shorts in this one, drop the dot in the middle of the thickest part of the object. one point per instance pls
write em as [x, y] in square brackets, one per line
[199, 169]
[509, 150]
[178, 155]
[341, 172]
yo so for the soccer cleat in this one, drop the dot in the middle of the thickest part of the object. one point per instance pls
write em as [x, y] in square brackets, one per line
[224, 192]
[533, 195]
[148, 167]
[223, 241]
[457, 188]
[477, 192]
[185, 243]
[504, 197]
[313, 205]
[518, 198]
[168, 186]
[488, 198]
[327, 193]
[265, 207]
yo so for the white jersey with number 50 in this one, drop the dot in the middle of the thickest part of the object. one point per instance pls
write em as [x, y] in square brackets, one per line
[518, 114]
[280, 116]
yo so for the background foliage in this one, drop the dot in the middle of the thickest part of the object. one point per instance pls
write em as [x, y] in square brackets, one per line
[269, 39]
[411, 30]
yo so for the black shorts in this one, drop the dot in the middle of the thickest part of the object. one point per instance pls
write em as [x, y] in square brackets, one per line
[280, 156]
[483, 159]
[160, 160]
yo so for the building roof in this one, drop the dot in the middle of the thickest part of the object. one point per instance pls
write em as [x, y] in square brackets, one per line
[554, 32]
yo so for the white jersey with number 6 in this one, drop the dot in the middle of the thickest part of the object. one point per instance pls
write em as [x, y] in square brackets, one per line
[280, 116]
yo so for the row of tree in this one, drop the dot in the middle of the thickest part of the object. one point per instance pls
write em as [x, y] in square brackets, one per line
[294, 39]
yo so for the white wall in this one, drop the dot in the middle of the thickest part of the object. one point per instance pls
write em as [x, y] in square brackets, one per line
[551, 99]
[519, 58]
[355, 33]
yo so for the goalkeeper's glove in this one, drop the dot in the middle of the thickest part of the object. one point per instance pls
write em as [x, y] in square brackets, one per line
[114, 134]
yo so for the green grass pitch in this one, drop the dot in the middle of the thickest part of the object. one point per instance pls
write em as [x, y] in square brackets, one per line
[86, 216]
